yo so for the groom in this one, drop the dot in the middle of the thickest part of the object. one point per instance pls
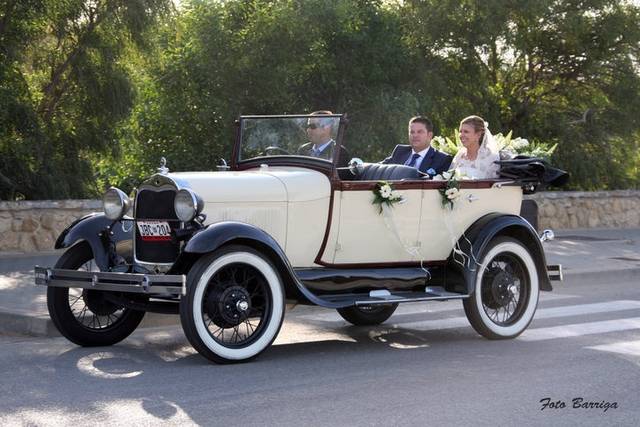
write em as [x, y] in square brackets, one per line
[420, 154]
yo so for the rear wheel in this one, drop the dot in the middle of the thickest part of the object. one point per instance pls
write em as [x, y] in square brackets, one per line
[506, 291]
[364, 315]
[85, 316]
[234, 306]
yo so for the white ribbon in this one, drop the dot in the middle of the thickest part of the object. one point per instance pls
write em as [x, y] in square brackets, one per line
[465, 260]
[390, 223]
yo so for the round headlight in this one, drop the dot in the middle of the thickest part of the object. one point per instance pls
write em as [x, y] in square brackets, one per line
[115, 203]
[187, 204]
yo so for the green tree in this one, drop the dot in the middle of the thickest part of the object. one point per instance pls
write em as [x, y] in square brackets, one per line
[94, 92]
[220, 60]
[561, 71]
[66, 87]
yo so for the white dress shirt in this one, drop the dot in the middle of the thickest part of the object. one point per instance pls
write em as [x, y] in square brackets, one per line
[419, 160]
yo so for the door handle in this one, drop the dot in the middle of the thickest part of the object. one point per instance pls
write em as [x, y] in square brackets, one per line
[472, 198]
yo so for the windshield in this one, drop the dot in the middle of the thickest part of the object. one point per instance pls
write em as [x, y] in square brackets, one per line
[309, 136]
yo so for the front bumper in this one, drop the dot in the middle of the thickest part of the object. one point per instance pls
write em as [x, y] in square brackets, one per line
[149, 284]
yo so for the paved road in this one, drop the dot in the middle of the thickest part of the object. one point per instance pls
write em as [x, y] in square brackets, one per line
[426, 366]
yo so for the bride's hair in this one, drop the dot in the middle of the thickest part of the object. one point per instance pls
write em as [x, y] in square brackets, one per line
[478, 124]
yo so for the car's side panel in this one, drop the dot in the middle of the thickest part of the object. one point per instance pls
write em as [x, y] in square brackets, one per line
[441, 227]
[366, 236]
[302, 185]
[291, 204]
[305, 230]
[268, 216]
[308, 195]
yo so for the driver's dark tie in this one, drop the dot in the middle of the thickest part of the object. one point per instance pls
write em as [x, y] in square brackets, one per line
[412, 162]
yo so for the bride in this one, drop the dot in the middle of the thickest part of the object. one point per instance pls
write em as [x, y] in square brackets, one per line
[475, 160]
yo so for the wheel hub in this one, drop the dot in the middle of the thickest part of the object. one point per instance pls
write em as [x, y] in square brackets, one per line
[228, 307]
[502, 289]
[98, 302]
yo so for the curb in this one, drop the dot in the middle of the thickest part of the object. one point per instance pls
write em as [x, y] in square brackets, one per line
[42, 326]
[22, 324]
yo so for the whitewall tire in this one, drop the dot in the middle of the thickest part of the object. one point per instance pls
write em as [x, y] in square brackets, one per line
[234, 306]
[506, 291]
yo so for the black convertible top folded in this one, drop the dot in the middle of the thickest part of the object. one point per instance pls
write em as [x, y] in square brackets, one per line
[534, 173]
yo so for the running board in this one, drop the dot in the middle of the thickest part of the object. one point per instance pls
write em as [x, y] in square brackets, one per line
[383, 296]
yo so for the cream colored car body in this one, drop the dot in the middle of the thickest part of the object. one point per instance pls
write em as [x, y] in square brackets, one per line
[292, 205]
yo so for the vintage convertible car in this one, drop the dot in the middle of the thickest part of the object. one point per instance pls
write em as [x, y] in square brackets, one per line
[227, 250]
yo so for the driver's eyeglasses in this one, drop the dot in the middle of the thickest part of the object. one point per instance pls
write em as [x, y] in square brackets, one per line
[313, 126]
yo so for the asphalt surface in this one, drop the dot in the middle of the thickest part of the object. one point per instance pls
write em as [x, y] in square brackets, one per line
[425, 366]
[602, 253]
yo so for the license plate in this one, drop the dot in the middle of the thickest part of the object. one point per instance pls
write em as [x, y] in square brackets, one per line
[154, 230]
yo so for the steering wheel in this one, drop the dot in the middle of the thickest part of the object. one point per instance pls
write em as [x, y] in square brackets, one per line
[275, 149]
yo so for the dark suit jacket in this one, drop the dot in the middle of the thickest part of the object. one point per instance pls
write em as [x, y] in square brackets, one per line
[434, 159]
[327, 153]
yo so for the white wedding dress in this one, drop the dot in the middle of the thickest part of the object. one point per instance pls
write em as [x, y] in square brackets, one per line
[483, 167]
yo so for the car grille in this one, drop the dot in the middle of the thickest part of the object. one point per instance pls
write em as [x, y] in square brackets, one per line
[156, 205]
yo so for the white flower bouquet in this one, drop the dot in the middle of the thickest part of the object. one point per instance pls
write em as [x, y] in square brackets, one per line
[383, 193]
[451, 191]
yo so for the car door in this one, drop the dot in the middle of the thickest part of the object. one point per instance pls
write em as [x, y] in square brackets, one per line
[363, 235]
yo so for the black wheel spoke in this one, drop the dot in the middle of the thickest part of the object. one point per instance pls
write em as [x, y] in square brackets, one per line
[71, 304]
[501, 289]
[235, 305]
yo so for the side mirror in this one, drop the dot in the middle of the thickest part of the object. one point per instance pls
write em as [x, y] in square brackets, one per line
[356, 166]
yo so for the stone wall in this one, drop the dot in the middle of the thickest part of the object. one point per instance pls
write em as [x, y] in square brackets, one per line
[596, 209]
[34, 226]
[31, 226]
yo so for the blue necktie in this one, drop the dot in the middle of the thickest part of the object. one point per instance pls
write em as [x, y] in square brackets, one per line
[412, 162]
[315, 152]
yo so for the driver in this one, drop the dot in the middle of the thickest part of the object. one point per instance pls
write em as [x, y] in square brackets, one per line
[319, 131]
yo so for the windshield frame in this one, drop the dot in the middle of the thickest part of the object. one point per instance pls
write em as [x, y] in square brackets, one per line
[287, 160]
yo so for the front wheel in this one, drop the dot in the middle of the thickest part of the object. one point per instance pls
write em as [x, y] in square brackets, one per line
[85, 316]
[234, 306]
[366, 315]
[506, 291]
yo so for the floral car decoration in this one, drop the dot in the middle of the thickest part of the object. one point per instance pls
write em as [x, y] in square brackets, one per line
[384, 194]
[287, 221]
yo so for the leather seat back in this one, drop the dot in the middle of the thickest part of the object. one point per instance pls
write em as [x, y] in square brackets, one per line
[385, 172]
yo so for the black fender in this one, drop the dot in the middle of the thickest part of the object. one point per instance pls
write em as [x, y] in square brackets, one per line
[214, 236]
[100, 233]
[480, 233]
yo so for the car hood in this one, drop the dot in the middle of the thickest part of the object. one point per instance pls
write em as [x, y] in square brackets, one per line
[264, 184]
